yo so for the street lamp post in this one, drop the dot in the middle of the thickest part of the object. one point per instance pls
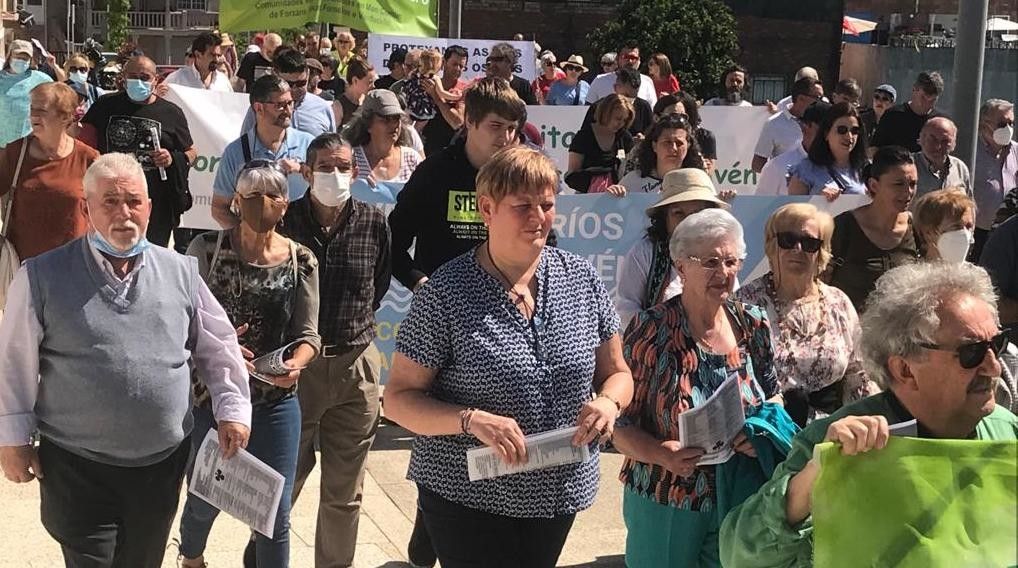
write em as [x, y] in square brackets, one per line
[968, 75]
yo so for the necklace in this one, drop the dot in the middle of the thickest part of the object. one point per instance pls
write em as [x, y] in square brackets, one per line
[517, 297]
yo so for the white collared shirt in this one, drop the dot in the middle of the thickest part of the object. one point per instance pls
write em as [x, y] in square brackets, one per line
[188, 76]
[604, 85]
[780, 134]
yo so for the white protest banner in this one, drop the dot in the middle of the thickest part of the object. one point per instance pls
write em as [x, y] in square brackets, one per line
[380, 46]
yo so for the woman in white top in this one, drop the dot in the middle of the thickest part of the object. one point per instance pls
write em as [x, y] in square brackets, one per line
[382, 144]
[670, 145]
[647, 275]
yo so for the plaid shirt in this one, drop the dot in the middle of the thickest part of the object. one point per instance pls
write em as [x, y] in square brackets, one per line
[354, 267]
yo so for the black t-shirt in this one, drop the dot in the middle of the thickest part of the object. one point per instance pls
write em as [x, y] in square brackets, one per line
[253, 66]
[384, 82]
[522, 88]
[585, 143]
[900, 127]
[438, 207]
[123, 125]
[643, 116]
[437, 134]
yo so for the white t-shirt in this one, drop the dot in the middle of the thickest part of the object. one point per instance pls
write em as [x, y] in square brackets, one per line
[636, 183]
[604, 85]
[780, 133]
[773, 178]
[633, 271]
[188, 76]
[722, 102]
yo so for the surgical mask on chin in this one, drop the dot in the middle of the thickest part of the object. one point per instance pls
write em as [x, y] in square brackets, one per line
[19, 66]
[139, 91]
[331, 189]
[104, 246]
[954, 245]
[79, 77]
[1003, 135]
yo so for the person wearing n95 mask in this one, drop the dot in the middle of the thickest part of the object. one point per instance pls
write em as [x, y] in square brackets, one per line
[945, 221]
[339, 391]
[995, 173]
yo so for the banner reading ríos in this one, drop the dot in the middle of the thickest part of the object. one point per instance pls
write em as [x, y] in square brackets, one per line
[418, 18]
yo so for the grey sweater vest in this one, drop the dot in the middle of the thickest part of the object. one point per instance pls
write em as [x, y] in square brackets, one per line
[114, 381]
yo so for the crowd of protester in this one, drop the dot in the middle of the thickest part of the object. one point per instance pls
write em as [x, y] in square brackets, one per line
[889, 311]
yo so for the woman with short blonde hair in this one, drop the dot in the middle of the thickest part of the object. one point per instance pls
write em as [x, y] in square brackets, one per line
[508, 340]
[814, 327]
[600, 146]
[945, 221]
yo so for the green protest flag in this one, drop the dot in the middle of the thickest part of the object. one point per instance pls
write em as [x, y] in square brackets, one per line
[917, 503]
[417, 18]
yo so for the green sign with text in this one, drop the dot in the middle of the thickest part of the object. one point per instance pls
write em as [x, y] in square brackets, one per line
[401, 17]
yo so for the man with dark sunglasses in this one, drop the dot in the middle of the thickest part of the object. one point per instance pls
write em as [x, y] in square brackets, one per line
[502, 63]
[931, 338]
[137, 121]
[774, 176]
[900, 125]
[782, 132]
[883, 99]
[628, 58]
[311, 113]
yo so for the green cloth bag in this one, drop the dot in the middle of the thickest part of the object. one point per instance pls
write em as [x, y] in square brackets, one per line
[917, 503]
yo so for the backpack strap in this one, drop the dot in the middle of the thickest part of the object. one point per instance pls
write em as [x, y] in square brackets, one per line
[245, 146]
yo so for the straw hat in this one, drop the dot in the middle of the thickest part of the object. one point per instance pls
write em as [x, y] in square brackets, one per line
[575, 60]
[686, 184]
[227, 42]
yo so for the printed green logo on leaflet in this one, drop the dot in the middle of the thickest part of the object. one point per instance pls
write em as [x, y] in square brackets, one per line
[463, 208]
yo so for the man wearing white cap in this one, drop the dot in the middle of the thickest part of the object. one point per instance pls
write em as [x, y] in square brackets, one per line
[17, 79]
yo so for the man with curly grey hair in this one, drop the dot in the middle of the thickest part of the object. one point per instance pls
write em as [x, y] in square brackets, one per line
[931, 338]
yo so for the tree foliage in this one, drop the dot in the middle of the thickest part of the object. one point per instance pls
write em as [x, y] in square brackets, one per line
[116, 23]
[698, 36]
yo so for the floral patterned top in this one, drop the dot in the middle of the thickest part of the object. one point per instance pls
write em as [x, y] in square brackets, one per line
[672, 374]
[815, 339]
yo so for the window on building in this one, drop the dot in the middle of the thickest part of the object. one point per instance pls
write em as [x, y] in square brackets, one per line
[192, 5]
[768, 88]
[33, 2]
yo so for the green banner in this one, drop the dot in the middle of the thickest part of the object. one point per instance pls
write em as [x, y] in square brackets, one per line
[400, 17]
[916, 504]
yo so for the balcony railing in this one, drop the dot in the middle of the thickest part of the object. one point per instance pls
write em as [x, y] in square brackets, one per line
[179, 20]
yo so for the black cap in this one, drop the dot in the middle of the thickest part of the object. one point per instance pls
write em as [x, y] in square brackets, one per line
[398, 55]
[814, 113]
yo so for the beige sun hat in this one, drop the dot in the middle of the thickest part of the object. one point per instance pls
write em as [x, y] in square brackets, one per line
[575, 60]
[686, 184]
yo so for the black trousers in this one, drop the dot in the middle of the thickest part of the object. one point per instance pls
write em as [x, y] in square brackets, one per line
[106, 516]
[981, 236]
[161, 222]
[469, 538]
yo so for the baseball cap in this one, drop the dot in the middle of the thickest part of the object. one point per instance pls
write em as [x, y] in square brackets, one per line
[381, 102]
[889, 90]
[21, 46]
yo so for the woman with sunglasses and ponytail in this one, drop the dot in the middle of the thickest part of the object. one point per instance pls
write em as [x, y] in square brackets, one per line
[814, 327]
[835, 161]
[268, 285]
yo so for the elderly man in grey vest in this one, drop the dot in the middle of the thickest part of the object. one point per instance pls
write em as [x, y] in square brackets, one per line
[95, 348]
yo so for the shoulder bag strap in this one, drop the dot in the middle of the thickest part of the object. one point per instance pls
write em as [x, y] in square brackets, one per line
[215, 253]
[837, 180]
[245, 147]
[14, 184]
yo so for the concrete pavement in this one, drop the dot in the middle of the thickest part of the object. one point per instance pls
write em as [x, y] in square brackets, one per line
[597, 538]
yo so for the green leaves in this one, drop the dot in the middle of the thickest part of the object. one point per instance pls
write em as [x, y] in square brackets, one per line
[698, 36]
[117, 22]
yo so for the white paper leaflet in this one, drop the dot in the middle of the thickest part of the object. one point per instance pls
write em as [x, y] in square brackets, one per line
[242, 486]
[273, 363]
[714, 424]
[547, 449]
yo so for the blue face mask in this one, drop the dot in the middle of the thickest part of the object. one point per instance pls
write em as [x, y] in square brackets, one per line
[139, 91]
[19, 66]
[104, 246]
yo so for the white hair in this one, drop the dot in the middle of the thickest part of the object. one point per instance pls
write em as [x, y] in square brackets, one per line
[112, 166]
[268, 180]
[901, 312]
[993, 106]
[707, 227]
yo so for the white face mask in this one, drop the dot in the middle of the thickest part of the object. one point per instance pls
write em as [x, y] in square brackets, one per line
[79, 77]
[331, 189]
[1003, 135]
[954, 245]
[324, 51]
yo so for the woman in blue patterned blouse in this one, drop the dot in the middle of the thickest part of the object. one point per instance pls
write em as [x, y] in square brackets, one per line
[508, 340]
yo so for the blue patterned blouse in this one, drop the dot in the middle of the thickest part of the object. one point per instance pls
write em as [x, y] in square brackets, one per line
[490, 357]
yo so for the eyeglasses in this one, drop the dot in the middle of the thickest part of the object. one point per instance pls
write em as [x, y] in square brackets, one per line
[78, 69]
[715, 263]
[787, 240]
[881, 97]
[568, 68]
[971, 355]
[298, 84]
[842, 129]
[1005, 123]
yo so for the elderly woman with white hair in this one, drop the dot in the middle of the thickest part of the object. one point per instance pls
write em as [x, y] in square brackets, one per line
[382, 143]
[268, 285]
[681, 352]
[931, 339]
[814, 326]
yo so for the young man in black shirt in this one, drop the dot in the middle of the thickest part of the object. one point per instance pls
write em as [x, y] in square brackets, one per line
[136, 121]
[258, 63]
[502, 62]
[901, 124]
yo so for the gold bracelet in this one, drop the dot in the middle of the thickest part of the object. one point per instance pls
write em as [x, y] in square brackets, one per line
[465, 416]
[618, 405]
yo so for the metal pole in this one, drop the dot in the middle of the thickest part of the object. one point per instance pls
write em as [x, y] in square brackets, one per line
[969, 51]
[455, 18]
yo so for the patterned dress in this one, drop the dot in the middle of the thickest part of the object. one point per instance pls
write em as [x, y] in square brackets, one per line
[490, 357]
[672, 374]
[815, 341]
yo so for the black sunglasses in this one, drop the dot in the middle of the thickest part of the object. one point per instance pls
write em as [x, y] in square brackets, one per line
[78, 69]
[881, 97]
[842, 129]
[787, 240]
[971, 355]
[298, 84]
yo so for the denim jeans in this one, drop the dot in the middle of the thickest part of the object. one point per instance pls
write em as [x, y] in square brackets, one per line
[275, 433]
